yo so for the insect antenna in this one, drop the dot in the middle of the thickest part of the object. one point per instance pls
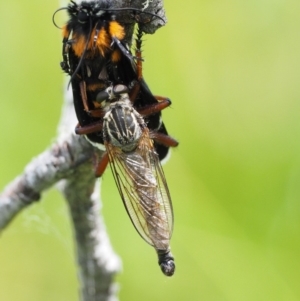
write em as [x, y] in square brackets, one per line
[54, 14]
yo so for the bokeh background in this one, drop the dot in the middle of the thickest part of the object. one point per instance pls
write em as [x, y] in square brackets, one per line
[232, 70]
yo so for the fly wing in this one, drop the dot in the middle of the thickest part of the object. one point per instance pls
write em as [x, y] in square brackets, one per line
[143, 188]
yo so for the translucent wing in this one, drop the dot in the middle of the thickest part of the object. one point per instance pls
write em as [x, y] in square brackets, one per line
[143, 188]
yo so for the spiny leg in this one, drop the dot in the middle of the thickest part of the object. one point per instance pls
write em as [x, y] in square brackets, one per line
[138, 54]
[139, 68]
[163, 101]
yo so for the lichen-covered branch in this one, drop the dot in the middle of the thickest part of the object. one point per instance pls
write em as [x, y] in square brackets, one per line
[148, 23]
[56, 163]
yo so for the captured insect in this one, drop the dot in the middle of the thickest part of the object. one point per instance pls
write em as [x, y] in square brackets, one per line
[117, 112]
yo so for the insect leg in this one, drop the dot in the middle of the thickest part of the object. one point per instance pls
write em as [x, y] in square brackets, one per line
[98, 113]
[101, 166]
[139, 67]
[154, 108]
[88, 129]
[138, 53]
[82, 86]
[164, 139]
[134, 91]
[65, 48]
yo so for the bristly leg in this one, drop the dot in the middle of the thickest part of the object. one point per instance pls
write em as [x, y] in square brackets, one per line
[138, 53]
[139, 68]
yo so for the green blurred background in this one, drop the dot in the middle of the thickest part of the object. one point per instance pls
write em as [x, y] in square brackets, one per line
[232, 70]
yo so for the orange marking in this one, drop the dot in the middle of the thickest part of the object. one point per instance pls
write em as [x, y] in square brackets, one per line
[115, 56]
[94, 87]
[97, 105]
[116, 30]
[65, 31]
[102, 42]
[79, 44]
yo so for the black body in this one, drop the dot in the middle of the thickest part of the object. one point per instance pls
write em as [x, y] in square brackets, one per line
[102, 70]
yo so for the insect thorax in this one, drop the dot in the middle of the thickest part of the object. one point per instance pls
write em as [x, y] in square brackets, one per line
[123, 125]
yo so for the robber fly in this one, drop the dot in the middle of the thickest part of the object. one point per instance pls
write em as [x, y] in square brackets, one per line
[135, 164]
[139, 176]
[116, 109]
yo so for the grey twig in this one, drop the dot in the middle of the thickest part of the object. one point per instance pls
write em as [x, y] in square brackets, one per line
[68, 163]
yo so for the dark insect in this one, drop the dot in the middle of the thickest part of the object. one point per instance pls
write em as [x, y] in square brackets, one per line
[118, 113]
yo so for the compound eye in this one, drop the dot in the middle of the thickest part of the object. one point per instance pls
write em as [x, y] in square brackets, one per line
[83, 16]
[101, 98]
[119, 89]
